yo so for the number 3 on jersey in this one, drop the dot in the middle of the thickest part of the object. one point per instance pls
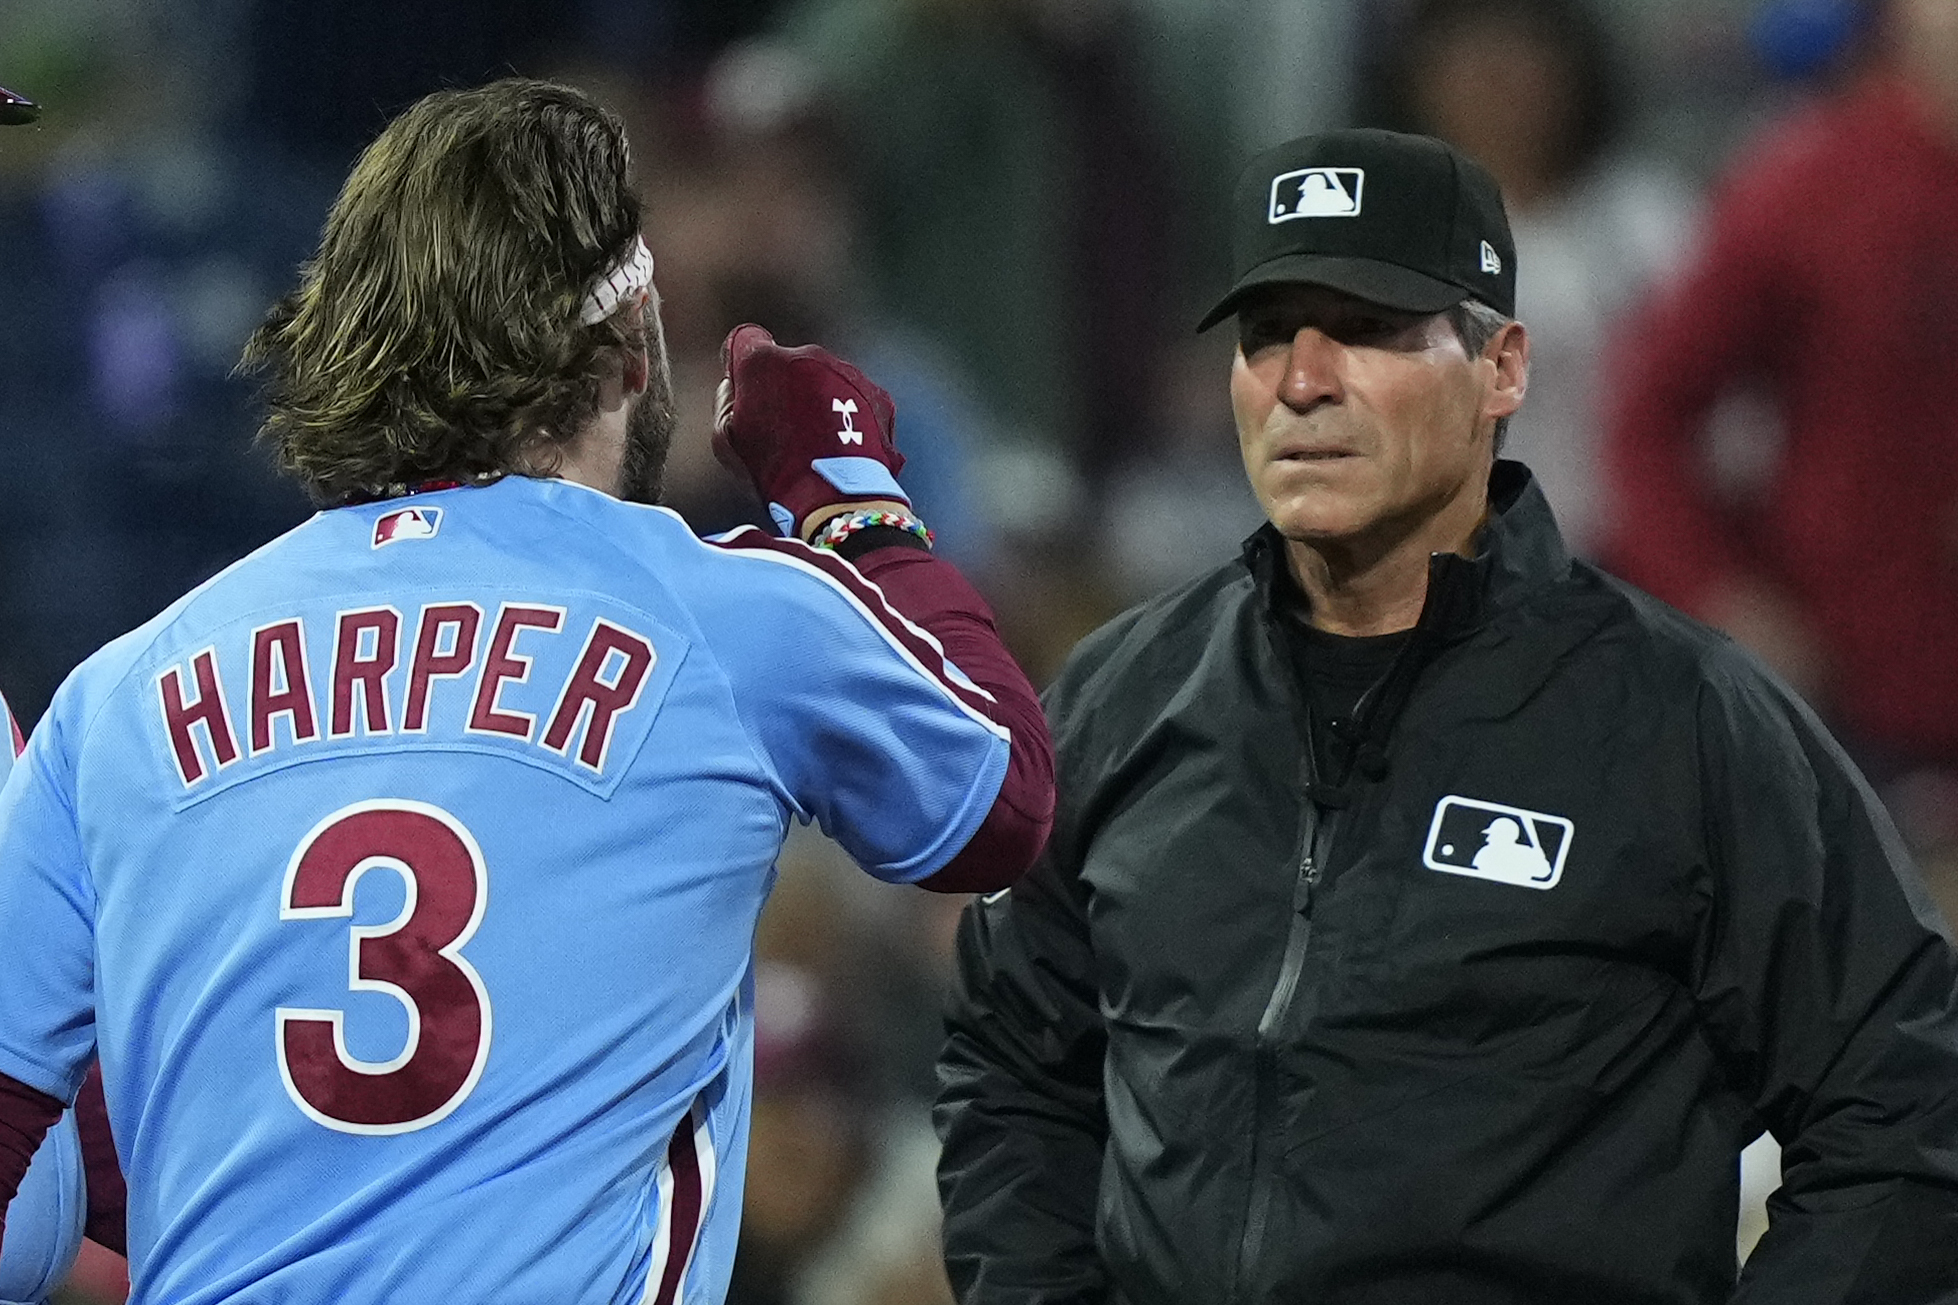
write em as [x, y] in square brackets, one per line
[414, 958]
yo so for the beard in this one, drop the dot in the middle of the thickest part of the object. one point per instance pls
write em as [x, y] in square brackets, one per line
[649, 428]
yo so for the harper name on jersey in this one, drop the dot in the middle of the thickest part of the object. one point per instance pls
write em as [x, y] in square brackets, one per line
[451, 683]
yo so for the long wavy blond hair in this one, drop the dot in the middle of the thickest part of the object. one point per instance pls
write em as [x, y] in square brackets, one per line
[435, 333]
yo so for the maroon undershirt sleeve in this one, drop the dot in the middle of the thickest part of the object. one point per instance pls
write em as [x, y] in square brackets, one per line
[108, 1194]
[25, 1118]
[932, 594]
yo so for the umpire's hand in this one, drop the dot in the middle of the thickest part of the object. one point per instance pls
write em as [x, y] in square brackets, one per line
[808, 430]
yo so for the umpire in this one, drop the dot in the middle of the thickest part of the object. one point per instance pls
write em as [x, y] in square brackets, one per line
[1431, 917]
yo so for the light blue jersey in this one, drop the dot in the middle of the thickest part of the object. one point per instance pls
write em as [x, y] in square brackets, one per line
[405, 876]
[44, 1222]
[45, 1219]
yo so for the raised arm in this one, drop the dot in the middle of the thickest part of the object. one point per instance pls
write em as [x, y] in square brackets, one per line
[814, 436]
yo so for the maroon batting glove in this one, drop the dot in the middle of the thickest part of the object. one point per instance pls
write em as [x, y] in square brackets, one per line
[807, 429]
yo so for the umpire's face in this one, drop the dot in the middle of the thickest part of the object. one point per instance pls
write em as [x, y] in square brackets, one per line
[1362, 426]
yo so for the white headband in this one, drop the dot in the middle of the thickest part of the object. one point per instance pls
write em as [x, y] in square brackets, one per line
[624, 285]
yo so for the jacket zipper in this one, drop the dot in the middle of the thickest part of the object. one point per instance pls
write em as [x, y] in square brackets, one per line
[1315, 846]
[1446, 586]
[1301, 934]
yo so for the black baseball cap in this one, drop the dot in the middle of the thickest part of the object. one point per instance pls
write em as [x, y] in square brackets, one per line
[1408, 222]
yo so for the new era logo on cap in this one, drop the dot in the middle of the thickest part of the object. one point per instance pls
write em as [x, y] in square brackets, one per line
[1503, 844]
[1316, 192]
[1491, 260]
[407, 523]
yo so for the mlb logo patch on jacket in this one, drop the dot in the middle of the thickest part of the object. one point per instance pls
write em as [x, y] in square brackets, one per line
[1503, 844]
[407, 523]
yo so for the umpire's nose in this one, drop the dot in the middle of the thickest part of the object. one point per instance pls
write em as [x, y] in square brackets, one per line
[1314, 373]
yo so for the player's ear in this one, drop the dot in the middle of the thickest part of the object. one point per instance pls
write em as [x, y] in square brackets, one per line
[635, 362]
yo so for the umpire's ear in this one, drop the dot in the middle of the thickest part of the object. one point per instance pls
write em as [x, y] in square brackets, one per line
[636, 370]
[1510, 354]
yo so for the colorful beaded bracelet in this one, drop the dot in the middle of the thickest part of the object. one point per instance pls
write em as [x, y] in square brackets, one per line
[839, 528]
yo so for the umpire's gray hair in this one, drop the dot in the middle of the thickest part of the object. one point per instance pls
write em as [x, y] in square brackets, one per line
[1475, 325]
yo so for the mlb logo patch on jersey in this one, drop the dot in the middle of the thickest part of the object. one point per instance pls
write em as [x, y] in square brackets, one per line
[407, 523]
[1316, 192]
[1503, 844]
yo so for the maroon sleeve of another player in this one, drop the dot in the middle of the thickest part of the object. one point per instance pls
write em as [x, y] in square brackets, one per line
[108, 1194]
[25, 1118]
[932, 594]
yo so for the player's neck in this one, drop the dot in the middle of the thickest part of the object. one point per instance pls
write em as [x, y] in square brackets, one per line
[595, 457]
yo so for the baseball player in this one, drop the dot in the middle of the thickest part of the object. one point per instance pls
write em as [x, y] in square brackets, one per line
[47, 1230]
[47, 1225]
[405, 875]
[52, 1210]
[74, 1186]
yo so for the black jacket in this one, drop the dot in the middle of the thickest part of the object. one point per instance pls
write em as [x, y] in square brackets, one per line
[1228, 1043]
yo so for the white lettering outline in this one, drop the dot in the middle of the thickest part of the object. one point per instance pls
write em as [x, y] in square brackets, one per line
[452, 953]
[475, 651]
[190, 727]
[358, 723]
[490, 706]
[588, 710]
[305, 691]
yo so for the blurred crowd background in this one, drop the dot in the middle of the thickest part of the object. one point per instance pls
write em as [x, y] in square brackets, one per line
[1011, 213]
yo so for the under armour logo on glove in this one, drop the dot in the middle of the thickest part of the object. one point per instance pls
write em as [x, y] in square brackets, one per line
[848, 408]
[776, 427]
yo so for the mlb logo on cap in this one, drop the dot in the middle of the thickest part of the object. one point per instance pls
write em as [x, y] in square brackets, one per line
[407, 523]
[1317, 192]
[1413, 224]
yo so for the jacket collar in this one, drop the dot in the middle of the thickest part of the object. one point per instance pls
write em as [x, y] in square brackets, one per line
[1518, 550]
